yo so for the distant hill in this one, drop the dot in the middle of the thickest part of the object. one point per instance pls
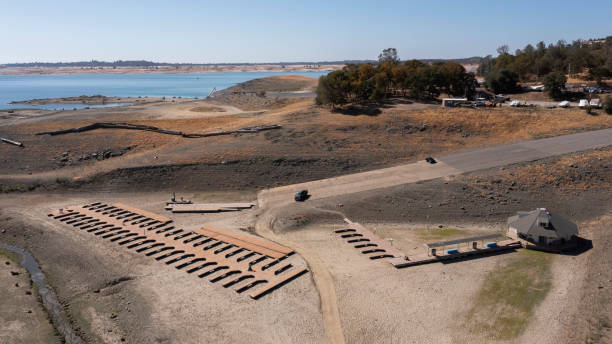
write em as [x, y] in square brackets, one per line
[144, 63]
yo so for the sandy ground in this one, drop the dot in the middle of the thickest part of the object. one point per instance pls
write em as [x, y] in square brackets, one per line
[22, 317]
[156, 303]
[379, 303]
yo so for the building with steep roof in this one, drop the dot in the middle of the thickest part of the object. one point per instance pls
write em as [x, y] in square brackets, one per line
[542, 228]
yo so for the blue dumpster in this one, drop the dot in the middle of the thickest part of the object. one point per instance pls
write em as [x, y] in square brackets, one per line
[452, 251]
[491, 244]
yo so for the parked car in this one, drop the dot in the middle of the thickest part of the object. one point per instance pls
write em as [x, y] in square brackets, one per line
[301, 196]
[501, 97]
[430, 160]
[515, 103]
[583, 103]
[595, 103]
[564, 104]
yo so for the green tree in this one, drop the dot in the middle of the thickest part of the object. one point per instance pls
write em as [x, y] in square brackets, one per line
[486, 65]
[502, 81]
[454, 79]
[607, 105]
[333, 88]
[389, 55]
[554, 83]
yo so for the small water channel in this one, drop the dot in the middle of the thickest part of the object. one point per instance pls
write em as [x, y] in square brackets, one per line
[47, 295]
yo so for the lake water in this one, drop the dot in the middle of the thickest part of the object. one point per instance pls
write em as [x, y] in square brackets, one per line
[25, 87]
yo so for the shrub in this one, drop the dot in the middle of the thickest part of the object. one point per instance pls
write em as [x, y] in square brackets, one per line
[503, 81]
[607, 105]
[554, 83]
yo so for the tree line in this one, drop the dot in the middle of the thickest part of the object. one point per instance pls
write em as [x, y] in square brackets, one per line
[373, 82]
[547, 63]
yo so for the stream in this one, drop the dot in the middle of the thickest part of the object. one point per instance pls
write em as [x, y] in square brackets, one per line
[49, 299]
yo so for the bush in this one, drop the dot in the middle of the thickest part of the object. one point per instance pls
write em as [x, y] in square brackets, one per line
[333, 88]
[554, 83]
[607, 105]
[503, 81]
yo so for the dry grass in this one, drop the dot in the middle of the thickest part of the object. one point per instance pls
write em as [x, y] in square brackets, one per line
[429, 234]
[503, 124]
[207, 109]
[506, 301]
[571, 173]
[283, 83]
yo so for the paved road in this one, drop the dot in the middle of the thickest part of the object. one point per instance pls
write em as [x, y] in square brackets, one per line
[448, 165]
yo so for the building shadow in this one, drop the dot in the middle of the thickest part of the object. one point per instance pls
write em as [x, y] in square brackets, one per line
[582, 245]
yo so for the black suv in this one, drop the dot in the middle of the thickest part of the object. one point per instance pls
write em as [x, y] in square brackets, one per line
[301, 196]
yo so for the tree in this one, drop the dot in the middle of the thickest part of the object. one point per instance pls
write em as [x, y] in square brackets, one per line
[486, 66]
[607, 105]
[455, 81]
[388, 55]
[503, 49]
[502, 81]
[333, 88]
[554, 83]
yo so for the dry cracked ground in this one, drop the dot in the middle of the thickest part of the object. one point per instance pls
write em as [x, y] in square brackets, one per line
[113, 295]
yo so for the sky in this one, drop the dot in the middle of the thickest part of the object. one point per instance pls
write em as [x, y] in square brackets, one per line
[285, 31]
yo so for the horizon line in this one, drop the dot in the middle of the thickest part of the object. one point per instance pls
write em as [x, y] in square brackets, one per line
[225, 63]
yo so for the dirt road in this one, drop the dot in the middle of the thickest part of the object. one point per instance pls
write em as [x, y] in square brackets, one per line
[322, 278]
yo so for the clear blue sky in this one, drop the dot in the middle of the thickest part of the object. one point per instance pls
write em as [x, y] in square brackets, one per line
[271, 31]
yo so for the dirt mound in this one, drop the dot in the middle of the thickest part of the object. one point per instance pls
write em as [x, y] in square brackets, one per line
[207, 109]
[282, 83]
[298, 216]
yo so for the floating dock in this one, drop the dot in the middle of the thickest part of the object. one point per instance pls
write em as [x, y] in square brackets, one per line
[242, 262]
[208, 207]
[456, 253]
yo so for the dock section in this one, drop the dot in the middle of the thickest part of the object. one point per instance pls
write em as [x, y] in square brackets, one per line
[455, 253]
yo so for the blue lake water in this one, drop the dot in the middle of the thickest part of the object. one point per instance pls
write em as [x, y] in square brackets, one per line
[25, 87]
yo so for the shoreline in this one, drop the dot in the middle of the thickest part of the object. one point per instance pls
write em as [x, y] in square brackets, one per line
[279, 68]
[88, 100]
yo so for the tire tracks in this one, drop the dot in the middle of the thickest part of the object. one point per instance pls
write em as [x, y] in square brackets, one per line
[322, 278]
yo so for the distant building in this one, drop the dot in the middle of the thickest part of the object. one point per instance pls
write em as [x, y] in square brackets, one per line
[541, 228]
[452, 102]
